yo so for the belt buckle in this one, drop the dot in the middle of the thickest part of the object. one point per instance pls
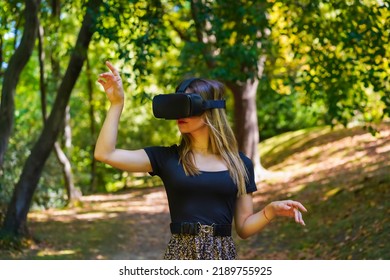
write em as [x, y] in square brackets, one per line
[206, 228]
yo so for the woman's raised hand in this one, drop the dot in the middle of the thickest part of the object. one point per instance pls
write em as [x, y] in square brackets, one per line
[112, 84]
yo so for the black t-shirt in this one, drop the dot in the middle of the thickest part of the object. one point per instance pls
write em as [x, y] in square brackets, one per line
[207, 198]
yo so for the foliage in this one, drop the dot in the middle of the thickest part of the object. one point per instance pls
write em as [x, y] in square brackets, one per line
[223, 39]
[11, 20]
[327, 62]
[335, 52]
[279, 113]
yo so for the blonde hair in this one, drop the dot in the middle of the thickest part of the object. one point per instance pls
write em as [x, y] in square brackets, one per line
[222, 141]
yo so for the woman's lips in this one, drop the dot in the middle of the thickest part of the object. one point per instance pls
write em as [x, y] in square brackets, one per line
[181, 122]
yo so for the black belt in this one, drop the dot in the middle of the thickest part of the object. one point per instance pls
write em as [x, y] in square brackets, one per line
[196, 228]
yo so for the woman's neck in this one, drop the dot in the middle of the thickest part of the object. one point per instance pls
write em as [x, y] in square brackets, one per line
[200, 143]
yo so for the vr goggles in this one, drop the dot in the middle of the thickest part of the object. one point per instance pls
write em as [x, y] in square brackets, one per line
[183, 105]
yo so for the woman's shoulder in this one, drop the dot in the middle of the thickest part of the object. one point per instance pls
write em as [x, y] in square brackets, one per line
[173, 149]
[247, 161]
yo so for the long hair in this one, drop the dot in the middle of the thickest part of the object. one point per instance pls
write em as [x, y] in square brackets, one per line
[222, 141]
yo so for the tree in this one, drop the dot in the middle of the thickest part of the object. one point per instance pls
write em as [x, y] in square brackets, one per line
[15, 223]
[229, 39]
[219, 39]
[73, 193]
[12, 74]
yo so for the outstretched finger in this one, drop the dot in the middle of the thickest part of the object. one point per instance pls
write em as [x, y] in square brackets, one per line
[112, 68]
[297, 204]
[296, 215]
[301, 207]
[300, 218]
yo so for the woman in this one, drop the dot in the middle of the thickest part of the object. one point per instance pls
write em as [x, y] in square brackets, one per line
[208, 182]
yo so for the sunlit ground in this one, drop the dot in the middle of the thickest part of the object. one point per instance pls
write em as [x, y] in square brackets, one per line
[106, 206]
[357, 153]
[131, 225]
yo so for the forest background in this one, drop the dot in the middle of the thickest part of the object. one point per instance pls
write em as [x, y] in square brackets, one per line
[287, 65]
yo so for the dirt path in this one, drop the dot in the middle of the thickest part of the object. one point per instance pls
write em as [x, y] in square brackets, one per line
[131, 225]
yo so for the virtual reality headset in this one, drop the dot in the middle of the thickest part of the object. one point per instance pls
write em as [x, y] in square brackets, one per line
[181, 105]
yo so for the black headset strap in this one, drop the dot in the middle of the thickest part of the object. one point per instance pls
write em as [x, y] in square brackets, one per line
[211, 104]
[208, 104]
[184, 85]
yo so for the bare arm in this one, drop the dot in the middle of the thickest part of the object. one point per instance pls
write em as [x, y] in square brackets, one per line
[105, 150]
[248, 223]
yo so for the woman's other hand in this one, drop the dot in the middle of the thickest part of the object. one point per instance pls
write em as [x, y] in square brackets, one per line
[286, 208]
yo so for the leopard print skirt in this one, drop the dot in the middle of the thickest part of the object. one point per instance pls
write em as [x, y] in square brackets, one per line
[204, 246]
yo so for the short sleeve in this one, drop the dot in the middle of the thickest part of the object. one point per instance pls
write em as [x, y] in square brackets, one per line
[251, 185]
[158, 157]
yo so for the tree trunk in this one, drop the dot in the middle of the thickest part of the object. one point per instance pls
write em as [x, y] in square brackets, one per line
[15, 222]
[73, 193]
[42, 85]
[1, 56]
[11, 76]
[93, 184]
[245, 121]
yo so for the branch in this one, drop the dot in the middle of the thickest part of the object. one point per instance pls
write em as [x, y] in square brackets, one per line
[200, 27]
[181, 34]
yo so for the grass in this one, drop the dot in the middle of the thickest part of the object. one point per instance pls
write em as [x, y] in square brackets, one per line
[342, 176]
